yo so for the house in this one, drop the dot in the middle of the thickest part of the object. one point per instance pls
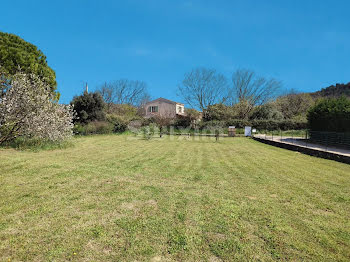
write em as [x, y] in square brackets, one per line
[165, 108]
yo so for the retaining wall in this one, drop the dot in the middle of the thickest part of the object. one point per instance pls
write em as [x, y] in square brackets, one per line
[306, 150]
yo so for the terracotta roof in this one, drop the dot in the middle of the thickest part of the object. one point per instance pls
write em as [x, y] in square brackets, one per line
[161, 99]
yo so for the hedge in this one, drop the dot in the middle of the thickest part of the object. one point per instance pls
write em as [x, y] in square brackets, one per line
[330, 115]
[258, 124]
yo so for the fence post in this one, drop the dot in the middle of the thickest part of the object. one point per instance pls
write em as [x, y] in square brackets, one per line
[306, 138]
[281, 134]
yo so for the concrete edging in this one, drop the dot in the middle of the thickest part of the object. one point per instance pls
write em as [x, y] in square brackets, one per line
[307, 151]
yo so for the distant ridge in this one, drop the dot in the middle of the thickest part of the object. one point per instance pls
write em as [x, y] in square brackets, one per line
[333, 91]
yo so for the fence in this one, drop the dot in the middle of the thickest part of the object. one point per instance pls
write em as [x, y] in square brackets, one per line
[331, 138]
[313, 139]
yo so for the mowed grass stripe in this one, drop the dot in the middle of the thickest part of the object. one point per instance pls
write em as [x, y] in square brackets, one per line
[124, 198]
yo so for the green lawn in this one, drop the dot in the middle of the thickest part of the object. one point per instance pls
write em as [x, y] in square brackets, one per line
[119, 198]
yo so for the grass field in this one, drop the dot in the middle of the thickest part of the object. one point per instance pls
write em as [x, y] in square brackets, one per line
[117, 198]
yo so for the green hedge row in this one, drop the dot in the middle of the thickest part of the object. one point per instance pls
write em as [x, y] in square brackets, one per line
[332, 115]
[258, 124]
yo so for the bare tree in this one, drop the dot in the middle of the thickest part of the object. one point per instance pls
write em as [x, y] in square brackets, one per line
[250, 90]
[124, 91]
[107, 92]
[141, 106]
[203, 87]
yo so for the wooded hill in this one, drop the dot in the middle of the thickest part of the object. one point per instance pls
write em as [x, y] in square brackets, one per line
[334, 91]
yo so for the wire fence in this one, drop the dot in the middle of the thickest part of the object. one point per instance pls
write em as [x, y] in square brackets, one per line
[326, 141]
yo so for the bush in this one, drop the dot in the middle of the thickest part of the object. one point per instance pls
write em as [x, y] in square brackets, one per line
[332, 114]
[120, 124]
[88, 107]
[266, 112]
[258, 124]
[96, 127]
[219, 112]
[28, 109]
[35, 144]
[212, 124]
[182, 122]
[279, 125]
[148, 131]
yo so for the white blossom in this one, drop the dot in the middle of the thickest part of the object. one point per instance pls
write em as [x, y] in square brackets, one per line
[29, 109]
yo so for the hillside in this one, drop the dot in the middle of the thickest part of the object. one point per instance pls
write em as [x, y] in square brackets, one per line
[334, 91]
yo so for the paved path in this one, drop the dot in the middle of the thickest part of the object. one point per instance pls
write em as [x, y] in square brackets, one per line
[304, 143]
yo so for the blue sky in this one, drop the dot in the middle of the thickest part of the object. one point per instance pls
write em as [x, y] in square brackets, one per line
[304, 44]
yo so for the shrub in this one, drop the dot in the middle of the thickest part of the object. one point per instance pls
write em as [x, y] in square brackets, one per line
[212, 124]
[219, 112]
[29, 109]
[258, 124]
[88, 107]
[35, 144]
[148, 131]
[120, 123]
[266, 112]
[182, 122]
[96, 127]
[294, 106]
[120, 127]
[279, 125]
[134, 126]
[332, 114]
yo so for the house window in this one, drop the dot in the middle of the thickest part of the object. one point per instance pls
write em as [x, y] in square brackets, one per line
[153, 109]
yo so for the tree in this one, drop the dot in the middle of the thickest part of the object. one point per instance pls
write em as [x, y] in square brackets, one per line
[220, 112]
[268, 111]
[203, 87]
[89, 107]
[249, 90]
[124, 91]
[294, 105]
[28, 109]
[163, 121]
[18, 55]
[334, 91]
[193, 116]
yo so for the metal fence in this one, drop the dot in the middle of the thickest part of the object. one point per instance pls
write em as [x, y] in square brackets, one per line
[330, 138]
[313, 139]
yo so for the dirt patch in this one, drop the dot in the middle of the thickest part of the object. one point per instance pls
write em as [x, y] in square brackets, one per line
[214, 259]
[152, 203]
[156, 259]
[323, 212]
[251, 197]
[129, 205]
[216, 236]
[137, 205]
[273, 195]
[92, 245]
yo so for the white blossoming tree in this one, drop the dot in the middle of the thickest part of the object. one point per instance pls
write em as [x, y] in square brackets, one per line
[28, 109]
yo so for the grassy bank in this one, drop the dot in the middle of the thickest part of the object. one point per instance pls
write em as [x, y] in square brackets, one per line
[121, 198]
